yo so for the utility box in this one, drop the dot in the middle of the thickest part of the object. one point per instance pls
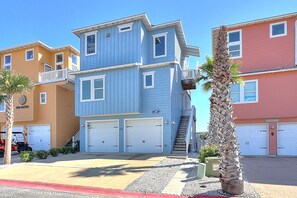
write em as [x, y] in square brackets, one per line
[212, 166]
[201, 170]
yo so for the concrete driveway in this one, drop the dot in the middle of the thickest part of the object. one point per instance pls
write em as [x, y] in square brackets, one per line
[272, 176]
[95, 170]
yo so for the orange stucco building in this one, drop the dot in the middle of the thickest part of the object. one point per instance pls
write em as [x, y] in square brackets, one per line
[45, 114]
[265, 107]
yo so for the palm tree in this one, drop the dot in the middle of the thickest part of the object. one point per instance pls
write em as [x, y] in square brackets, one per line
[231, 175]
[207, 77]
[10, 84]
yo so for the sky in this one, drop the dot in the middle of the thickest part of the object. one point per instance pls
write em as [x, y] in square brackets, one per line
[51, 22]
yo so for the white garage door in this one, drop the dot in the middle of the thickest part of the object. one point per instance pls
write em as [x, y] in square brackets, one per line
[39, 137]
[103, 136]
[144, 136]
[287, 139]
[16, 137]
[252, 139]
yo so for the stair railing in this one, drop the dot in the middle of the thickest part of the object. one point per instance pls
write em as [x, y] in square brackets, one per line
[75, 139]
[190, 129]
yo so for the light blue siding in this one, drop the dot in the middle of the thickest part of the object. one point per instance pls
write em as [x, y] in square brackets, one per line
[144, 50]
[117, 49]
[122, 93]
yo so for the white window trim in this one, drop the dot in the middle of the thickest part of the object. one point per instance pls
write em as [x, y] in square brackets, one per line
[59, 63]
[10, 61]
[278, 35]
[89, 34]
[152, 73]
[72, 61]
[26, 55]
[154, 46]
[45, 97]
[241, 93]
[92, 79]
[130, 25]
[235, 43]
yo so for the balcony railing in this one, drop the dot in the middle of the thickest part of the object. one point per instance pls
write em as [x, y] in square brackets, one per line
[189, 79]
[55, 76]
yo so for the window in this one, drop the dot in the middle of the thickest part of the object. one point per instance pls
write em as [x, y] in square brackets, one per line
[148, 80]
[278, 29]
[47, 68]
[90, 43]
[160, 45]
[43, 98]
[29, 55]
[125, 28]
[74, 62]
[59, 61]
[246, 93]
[2, 107]
[7, 62]
[92, 88]
[235, 44]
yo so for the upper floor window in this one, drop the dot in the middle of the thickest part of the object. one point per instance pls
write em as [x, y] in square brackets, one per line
[90, 43]
[235, 44]
[43, 98]
[2, 107]
[92, 88]
[125, 27]
[160, 45]
[148, 80]
[29, 55]
[246, 93]
[59, 61]
[8, 61]
[74, 62]
[278, 29]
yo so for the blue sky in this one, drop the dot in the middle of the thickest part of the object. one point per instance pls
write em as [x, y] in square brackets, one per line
[52, 21]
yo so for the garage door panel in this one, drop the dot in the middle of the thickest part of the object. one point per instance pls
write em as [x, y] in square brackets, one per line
[16, 137]
[39, 137]
[287, 139]
[252, 139]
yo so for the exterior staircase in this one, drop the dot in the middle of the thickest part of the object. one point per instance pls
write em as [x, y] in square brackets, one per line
[179, 146]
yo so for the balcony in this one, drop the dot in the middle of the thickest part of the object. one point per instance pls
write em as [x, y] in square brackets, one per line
[189, 79]
[55, 76]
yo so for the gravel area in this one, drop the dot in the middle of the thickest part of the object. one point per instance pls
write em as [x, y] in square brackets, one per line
[155, 180]
[211, 186]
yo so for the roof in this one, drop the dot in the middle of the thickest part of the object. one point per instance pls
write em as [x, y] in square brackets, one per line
[39, 43]
[283, 16]
[189, 50]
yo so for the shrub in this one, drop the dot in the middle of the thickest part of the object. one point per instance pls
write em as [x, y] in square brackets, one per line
[26, 156]
[42, 154]
[208, 151]
[54, 152]
[73, 150]
[66, 150]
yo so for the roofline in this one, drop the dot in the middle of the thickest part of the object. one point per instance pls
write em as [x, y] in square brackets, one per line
[259, 20]
[267, 72]
[6, 50]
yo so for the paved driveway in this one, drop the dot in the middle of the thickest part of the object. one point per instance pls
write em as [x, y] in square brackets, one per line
[272, 176]
[96, 170]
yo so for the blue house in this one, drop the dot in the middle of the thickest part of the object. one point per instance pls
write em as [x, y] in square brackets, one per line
[132, 92]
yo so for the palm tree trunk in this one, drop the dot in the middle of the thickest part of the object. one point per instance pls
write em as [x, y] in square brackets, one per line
[9, 123]
[213, 136]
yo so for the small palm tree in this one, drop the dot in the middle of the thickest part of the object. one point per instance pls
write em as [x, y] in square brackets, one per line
[231, 175]
[206, 77]
[10, 84]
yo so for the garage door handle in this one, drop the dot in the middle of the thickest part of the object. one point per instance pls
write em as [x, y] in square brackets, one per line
[102, 142]
[128, 145]
[115, 146]
[280, 130]
[159, 125]
[143, 141]
[115, 127]
[280, 147]
[158, 145]
[128, 126]
[91, 145]
[263, 147]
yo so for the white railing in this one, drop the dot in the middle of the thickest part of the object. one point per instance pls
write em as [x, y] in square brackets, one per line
[189, 74]
[54, 76]
[191, 131]
[75, 138]
[187, 112]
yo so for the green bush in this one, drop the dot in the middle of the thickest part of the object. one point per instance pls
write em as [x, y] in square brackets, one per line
[73, 150]
[26, 156]
[54, 152]
[42, 154]
[66, 150]
[208, 151]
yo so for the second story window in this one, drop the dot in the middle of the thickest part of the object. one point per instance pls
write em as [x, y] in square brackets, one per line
[59, 61]
[92, 88]
[278, 29]
[235, 44]
[74, 62]
[148, 80]
[160, 45]
[43, 98]
[90, 43]
[125, 27]
[29, 55]
[247, 93]
[7, 62]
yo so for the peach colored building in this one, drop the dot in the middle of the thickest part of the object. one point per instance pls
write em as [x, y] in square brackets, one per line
[45, 114]
[265, 107]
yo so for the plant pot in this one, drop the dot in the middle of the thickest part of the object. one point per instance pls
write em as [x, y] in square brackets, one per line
[201, 170]
[212, 166]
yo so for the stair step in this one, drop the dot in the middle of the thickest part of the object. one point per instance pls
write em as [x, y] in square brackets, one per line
[179, 149]
[179, 152]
